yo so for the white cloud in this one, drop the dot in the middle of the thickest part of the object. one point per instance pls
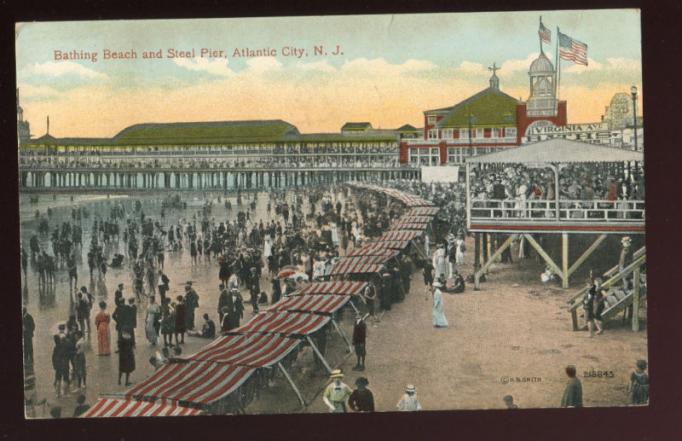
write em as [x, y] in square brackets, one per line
[320, 66]
[381, 67]
[507, 69]
[62, 68]
[214, 67]
[471, 68]
[615, 65]
[29, 91]
[512, 66]
[260, 65]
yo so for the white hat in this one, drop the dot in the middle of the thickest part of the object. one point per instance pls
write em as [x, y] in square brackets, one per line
[410, 388]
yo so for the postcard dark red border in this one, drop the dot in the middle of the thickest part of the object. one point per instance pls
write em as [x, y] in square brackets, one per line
[660, 421]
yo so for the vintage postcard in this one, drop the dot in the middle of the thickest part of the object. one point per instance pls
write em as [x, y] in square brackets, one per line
[369, 213]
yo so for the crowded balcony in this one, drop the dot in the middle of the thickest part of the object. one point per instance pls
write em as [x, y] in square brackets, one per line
[557, 185]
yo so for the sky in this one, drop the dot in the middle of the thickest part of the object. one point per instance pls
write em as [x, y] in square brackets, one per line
[388, 68]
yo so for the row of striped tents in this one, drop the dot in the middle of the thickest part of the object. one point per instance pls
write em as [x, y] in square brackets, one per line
[423, 211]
[316, 304]
[399, 235]
[408, 199]
[359, 265]
[390, 244]
[371, 249]
[195, 382]
[344, 288]
[416, 219]
[282, 322]
[122, 407]
[256, 350]
[416, 226]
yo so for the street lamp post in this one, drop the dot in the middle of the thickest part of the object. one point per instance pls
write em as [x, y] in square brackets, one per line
[633, 92]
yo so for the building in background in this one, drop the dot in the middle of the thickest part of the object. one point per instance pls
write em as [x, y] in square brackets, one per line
[23, 128]
[488, 121]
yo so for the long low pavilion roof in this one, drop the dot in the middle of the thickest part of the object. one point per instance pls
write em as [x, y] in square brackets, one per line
[558, 151]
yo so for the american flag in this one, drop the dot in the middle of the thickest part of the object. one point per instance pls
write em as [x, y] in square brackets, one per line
[572, 50]
[545, 34]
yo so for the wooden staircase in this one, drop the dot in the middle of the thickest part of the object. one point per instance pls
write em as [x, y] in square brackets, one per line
[618, 299]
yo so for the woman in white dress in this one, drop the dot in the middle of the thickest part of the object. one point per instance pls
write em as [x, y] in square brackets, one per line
[151, 319]
[438, 312]
[438, 262]
[459, 250]
[267, 248]
[520, 205]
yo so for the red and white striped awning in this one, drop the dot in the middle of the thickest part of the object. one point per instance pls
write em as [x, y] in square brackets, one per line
[373, 250]
[287, 323]
[193, 382]
[255, 350]
[406, 198]
[423, 211]
[408, 226]
[324, 304]
[121, 407]
[415, 219]
[390, 244]
[359, 265]
[399, 235]
[342, 288]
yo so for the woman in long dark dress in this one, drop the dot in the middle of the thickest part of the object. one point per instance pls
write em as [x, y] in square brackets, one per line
[180, 320]
[639, 384]
[428, 273]
[599, 305]
[167, 323]
[126, 357]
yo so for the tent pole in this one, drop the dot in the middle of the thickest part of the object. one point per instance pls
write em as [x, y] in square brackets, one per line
[319, 354]
[343, 335]
[292, 384]
[354, 307]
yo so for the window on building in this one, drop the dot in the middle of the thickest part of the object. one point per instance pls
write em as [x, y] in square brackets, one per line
[433, 134]
[479, 133]
[424, 156]
[510, 132]
[456, 155]
[446, 133]
[431, 119]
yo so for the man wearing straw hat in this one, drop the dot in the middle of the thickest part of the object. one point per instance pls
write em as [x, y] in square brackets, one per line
[409, 401]
[337, 393]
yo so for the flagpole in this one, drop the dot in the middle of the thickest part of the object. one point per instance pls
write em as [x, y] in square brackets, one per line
[558, 68]
[539, 37]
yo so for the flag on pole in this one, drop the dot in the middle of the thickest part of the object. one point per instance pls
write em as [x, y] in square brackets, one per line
[545, 34]
[572, 50]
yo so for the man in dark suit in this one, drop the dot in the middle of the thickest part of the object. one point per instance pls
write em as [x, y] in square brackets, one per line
[499, 194]
[29, 329]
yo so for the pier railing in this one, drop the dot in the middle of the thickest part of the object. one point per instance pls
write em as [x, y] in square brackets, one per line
[531, 210]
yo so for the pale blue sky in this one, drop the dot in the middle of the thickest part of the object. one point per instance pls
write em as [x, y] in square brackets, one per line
[453, 45]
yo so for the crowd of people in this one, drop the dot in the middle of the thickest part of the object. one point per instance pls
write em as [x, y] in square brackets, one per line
[352, 160]
[248, 255]
[589, 181]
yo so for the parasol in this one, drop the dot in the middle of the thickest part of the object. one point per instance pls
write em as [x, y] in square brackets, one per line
[287, 271]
